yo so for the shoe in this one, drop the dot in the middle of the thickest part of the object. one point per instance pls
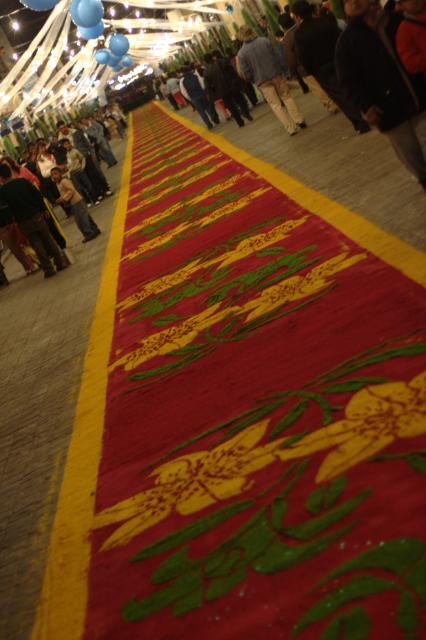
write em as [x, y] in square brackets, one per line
[49, 274]
[241, 125]
[292, 133]
[361, 129]
[302, 125]
[62, 267]
[92, 236]
[249, 118]
[210, 127]
[216, 121]
[89, 204]
[109, 193]
[98, 201]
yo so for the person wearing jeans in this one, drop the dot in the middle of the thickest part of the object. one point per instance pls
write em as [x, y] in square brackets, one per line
[257, 62]
[192, 90]
[78, 207]
[76, 163]
[23, 203]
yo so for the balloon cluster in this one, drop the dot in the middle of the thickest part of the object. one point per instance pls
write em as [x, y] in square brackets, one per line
[87, 15]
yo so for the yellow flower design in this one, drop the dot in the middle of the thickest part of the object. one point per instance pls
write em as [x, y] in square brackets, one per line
[190, 483]
[375, 417]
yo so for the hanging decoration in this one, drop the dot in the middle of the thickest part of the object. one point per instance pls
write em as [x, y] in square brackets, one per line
[86, 13]
[119, 44]
[92, 33]
[102, 56]
[39, 5]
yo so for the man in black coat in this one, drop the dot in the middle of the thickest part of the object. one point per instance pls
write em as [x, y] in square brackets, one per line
[374, 80]
[223, 83]
[315, 43]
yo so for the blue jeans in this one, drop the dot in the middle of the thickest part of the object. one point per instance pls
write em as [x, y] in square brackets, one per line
[84, 222]
[106, 153]
[83, 185]
[206, 110]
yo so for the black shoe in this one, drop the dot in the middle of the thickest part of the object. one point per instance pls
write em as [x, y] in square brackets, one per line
[249, 118]
[216, 121]
[241, 124]
[94, 235]
[49, 274]
[62, 267]
[302, 125]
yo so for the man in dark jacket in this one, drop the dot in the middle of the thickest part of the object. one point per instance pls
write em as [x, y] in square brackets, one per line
[191, 89]
[315, 43]
[22, 202]
[222, 83]
[375, 81]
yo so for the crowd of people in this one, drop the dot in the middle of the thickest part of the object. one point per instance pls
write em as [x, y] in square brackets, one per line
[371, 66]
[64, 171]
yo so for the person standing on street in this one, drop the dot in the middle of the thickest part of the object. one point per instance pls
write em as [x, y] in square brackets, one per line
[78, 207]
[411, 37]
[82, 143]
[222, 83]
[191, 89]
[257, 62]
[23, 203]
[76, 163]
[315, 45]
[95, 129]
[375, 81]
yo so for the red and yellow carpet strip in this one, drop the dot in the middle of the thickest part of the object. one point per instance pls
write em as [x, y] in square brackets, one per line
[249, 449]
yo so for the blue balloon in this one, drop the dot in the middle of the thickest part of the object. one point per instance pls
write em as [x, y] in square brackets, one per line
[127, 61]
[119, 44]
[113, 60]
[86, 13]
[39, 5]
[102, 56]
[91, 33]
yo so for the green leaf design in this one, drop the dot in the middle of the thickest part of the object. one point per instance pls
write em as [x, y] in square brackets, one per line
[191, 601]
[220, 586]
[292, 440]
[407, 616]
[160, 322]
[307, 530]
[221, 563]
[354, 384]
[416, 578]
[290, 418]
[279, 556]
[183, 587]
[398, 352]
[326, 495]
[397, 556]
[359, 587]
[193, 530]
[174, 566]
[271, 251]
[260, 413]
[353, 624]
[417, 462]
[278, 511]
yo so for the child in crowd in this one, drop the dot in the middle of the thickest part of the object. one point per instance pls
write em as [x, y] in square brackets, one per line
[78, 207]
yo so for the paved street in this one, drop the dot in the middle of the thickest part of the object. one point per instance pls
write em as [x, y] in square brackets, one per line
[44, 327]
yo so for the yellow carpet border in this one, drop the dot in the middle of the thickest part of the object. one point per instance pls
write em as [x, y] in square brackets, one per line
[395, 252]
[62, 606]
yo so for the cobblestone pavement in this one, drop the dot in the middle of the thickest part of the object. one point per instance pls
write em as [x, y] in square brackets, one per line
[361, 172]
[44, 328]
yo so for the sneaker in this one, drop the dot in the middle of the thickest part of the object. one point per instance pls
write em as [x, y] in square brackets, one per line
[89, 204]
[302, 125]
[109, 193]
[249, 118]
[98, 201]
[94, 235]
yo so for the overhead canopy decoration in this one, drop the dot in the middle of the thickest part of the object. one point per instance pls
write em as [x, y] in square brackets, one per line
[64, 66]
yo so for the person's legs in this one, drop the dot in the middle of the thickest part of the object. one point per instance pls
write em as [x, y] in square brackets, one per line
[83, 185]
[107, 154]
[8, 239]
[212, 113]
[302, 82]
[406, 140]
[200, 107]
[96, 176]
[327, 79]
[242, 104]
[51, 247]
[30, 228]
[274, 101]
[250, 93]
[233, 109]
[173, 102]
[220, 106]
[319, 92]
[283, 91]
[83, 221]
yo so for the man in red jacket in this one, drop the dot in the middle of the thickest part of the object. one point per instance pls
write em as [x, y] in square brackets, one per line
[411, 37]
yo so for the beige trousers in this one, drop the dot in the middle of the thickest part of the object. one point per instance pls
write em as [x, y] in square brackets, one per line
[319, 92]
[277, 93]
